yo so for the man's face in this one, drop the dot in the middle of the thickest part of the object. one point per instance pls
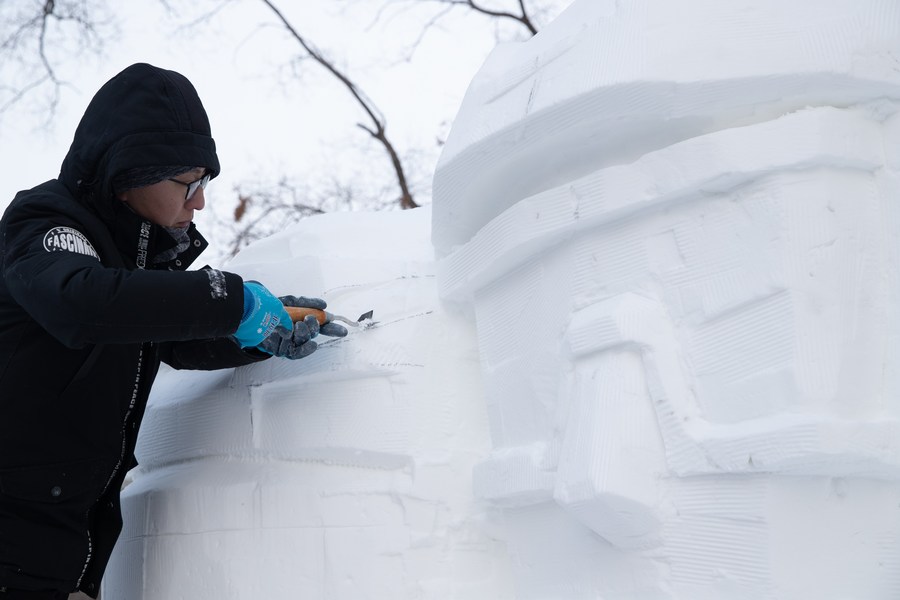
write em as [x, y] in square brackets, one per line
[164, 203]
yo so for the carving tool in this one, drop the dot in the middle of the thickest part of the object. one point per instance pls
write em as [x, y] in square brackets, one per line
[298, 314]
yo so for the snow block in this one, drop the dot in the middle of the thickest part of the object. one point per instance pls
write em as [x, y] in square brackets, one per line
[683, 172]
[607, 448]
[612, 81]
[345, 475]
[676, 227]
[516, 477]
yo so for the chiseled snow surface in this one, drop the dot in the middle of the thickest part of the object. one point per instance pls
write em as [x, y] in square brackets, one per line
[654, 359]
[694, 206]
[347, 474]
[612, 80]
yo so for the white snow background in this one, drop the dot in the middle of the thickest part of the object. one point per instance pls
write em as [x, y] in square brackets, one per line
[642, 346]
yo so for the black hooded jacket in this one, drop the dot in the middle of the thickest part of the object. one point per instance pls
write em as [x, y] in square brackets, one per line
[85, 318]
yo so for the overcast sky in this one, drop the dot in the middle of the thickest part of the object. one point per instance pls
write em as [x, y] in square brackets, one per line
[268, 123]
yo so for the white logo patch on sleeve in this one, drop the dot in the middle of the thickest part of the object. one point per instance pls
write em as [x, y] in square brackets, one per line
[66, 239]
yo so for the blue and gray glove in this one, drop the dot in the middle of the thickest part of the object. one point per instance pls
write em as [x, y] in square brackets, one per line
[265, 324]
[264, 317]
[300, 343]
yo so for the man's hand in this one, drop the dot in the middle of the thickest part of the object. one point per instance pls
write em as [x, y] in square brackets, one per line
[329, 329]
[298, 344]
[267, 326]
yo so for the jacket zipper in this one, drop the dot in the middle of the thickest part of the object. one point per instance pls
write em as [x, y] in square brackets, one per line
[134, 396]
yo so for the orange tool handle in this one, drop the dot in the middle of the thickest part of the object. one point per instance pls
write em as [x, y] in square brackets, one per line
[298, 313]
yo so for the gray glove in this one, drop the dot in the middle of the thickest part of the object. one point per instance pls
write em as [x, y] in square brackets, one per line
[330, 329]
[297, 345]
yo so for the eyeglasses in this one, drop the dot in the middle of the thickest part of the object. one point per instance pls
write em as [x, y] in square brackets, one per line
[193, 185]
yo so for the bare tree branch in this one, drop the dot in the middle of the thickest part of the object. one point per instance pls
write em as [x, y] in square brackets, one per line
[66, 26]
[378, 128]
[426, 27]
[523, 17]
[265, 209]
[204, 17]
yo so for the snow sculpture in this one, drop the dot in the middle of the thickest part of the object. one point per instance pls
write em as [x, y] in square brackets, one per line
[347, 475]
[677, 226]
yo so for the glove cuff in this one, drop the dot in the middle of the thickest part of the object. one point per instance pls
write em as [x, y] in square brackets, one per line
[249, 298]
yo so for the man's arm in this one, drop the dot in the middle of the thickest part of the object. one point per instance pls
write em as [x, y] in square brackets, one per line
[81, 301]
[208, 355]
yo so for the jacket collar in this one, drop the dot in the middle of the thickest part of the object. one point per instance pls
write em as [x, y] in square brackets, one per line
[139, 240]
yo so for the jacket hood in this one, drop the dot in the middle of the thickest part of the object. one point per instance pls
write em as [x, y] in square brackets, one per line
[144, 116]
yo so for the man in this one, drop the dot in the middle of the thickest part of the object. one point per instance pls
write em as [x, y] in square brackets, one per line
[93, 295]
